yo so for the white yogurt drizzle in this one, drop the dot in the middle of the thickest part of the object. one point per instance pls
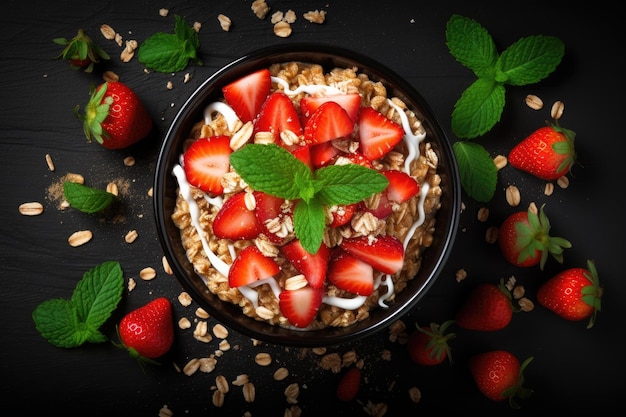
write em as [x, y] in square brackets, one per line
[412, 142]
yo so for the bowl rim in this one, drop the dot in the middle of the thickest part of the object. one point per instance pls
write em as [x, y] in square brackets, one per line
[328, 56]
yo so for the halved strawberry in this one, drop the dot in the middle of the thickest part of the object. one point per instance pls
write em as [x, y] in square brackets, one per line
[234, 221]
[385, 253]
[382, 210]
[206, 161]
[342, 214]
[357, 157]
[269, 207]
[350, 102]
[249, 266]
[300, 306]
[377, 133]
[303, 153]
[276, 115]
[402, 187]
[349, 273]
[322, 153]
[330, 121]
[313, 267]
[247, 94]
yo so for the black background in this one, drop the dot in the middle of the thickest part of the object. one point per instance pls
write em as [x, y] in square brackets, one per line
[575, 370]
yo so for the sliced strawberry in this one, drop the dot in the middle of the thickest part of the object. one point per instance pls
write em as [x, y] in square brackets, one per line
[402, 187]
[382, 210]
[313, 267]
[277, 115]
[385, 253]
[303, 153]
[343, 214]
[322, 153]
[249, 266]
[357, 157]
[300, 306]
[377, 133]
[234, 221]
[206, 161]
[247, 94]
[269, 207]
[330, 121]
[349, 273]
[350, 102]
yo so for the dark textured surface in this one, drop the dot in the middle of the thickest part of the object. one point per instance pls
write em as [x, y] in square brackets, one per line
[574, 369]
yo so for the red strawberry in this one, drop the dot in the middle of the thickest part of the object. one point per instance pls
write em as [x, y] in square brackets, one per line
[428, 345]
[234, 221]
[114, 116]
[342, 214]
[402, 187]
[300, 306]
[206, 161]
[249, 266]
[247, 94]
[278, 115]
[385, 252]
[350, 273]
[499, 376]
[350, 102]
[330, 121]
[574, 294]
[487, 307]
[81, 51]
[524, 239]
[377, 133]
[322, 153]
[303, 153]
[312, 266]
[349, 385]
[268, 208]
[547, 153]
[148, 332]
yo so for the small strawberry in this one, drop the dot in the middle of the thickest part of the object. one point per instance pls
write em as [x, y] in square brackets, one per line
[250, 266]
[385, 252]
[547, 153]
[278, 115]
[349, 385]
[81, 51]
[428, 345]
[573, 294]
[206, 161]
[524, 239]
[148, 332]
[114, 116]
[300, 306]
[234, 221]
[377, 133]
[349, 273]
[487, 307]
[313, 267]
[330, 121]
[247, 94]
[350, 102]
[499, 376]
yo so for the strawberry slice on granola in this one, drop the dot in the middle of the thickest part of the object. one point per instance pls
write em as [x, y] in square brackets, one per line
[235, 221]
[300, 306]
[250, 266]
[349, 273]
[312, 266]
[377, 133]
[278, 115]
[206, 161]
[247, 94]
[330, 121]
[385, 252]
[350, 102]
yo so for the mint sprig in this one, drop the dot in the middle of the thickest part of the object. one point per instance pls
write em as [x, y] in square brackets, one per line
[87, 199]
[527, 61]
[171, 52]
[71, 323]
[274, 170]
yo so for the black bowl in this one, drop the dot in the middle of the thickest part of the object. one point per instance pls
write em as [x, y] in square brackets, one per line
[165, 192]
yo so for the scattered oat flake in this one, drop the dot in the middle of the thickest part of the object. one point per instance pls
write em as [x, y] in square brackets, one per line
[147, 273]
[79, 238]
[33, 208]
[49, 162]
[164, 12]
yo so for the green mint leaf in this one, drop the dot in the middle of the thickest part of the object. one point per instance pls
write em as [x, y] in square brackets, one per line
[57, 321]
[309, 222]
[471, 45]
[87, 199]
[272, 169]
[530, 60]
[347, 184]
[478, 109]
[184, 32]
[478, 173]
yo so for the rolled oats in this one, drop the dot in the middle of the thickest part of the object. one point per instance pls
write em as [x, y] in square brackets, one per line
[131, 236]
[491, 235]
[240, 380]
[79, 238]
[249, 392]
[147, 273]
[292, 392]
[184, 298]
[415, 394]
[534, 102]
[207, 365]
[222, 384]
[225, 22]
[107, 31]
[191, 367]
[460, 275]
[563, 182]
[202, 313]
[49, 162]
[263, 359]
[166, 266]
[184, 323]
[513, 196]
[501, 161]
[557, 110]
[218, 398]
[281, 373]
[33, 208]
[220, 331]
[112, 188]
[315, 16]
[282, 29]
[165, 412]
[260, 8]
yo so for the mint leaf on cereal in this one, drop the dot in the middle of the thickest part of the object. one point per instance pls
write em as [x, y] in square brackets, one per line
[274, 170]
[87, 199]
[71, 323]
[171, 52]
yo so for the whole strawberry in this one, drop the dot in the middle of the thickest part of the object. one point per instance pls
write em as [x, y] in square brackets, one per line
[349, 385]
[573, 294]
[114, 116]
[547, 153]
[524, 239]
[148, 332]
[428, 345]
[81, 51]
[487, 307]
[499, 376]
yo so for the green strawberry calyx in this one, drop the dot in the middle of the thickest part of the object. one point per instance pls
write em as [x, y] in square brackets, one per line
[535, 236]
[564, 148]
[96, 112]
[81, 50]
[132, 352]
[592, 294]
[438, 339]
[518, 390]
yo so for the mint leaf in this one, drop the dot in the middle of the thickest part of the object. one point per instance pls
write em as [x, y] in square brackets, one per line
[530, 60]
[471, 45]
[87, 199]
[347, 184]
[56, 320]
[309, 223]
[478, 173]
[478, 109]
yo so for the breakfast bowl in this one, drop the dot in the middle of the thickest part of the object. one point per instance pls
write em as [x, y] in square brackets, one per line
[293, 215]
